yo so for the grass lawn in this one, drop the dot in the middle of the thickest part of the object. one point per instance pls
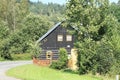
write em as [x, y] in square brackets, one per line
[33, 72]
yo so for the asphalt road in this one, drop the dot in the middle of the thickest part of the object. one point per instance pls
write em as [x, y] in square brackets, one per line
[4, 66]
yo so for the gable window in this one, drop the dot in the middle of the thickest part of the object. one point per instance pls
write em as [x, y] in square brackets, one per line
[60, 38]
[69, 38]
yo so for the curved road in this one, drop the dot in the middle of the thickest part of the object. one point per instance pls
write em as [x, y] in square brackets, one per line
[4, 66]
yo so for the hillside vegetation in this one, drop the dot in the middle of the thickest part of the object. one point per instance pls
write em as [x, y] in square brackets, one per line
[96, 26]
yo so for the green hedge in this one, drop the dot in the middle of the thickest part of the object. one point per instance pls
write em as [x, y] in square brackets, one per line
[25, 56]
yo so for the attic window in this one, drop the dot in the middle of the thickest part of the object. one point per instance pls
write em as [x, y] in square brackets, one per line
[69, 38]
[60, 38]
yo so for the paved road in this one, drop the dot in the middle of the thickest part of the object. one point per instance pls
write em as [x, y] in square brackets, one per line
[4, 66]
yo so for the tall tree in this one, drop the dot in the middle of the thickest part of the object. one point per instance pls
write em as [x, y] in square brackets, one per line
[3, 9]
[7, 12]
[24, 8]
[13, 12]
[115, 9]
[91, 21]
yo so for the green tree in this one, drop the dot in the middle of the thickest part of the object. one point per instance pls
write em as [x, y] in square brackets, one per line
[8, 12]
[4, 49]
[92, 24]
[4, 34]
[4, 30]
[114, 39]
[115, 10]
[52, 11]
[13, 12]
[34, 27]
[3, 10]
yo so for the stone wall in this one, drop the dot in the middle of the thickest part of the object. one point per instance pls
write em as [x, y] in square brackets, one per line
[41, 62]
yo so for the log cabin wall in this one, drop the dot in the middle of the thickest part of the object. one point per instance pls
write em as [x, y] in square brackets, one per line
[51, 42]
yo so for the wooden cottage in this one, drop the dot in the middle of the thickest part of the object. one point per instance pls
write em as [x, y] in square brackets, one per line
[57, 37]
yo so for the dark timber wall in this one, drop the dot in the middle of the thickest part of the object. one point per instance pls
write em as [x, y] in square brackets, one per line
[50, 43]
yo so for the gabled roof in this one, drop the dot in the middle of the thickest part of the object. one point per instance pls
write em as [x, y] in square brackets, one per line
[51, 30]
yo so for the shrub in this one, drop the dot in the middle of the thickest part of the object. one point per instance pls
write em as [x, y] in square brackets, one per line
[4, 49]
[54, 65]
[62, 60]
[25, 56]
[2, 59]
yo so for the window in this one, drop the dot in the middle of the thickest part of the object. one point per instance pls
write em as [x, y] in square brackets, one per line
[60, 38]
[49, 55]
[69, 38]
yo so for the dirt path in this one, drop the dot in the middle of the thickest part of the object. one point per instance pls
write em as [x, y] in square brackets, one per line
[4, 66]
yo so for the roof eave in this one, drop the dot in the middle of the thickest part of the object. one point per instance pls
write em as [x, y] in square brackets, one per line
[49, 31]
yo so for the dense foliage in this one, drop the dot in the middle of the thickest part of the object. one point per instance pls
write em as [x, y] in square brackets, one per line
[22, 41]
[115, 9]
[95, 29]
[54, 12]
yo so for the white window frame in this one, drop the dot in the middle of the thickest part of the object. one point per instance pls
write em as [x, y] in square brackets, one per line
[68, 37]
[60, 38]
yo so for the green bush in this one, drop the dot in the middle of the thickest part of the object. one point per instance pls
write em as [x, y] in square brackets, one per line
[2, 59]
[4, 49]
[54, 65]
[25, 56]
[62, 60]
